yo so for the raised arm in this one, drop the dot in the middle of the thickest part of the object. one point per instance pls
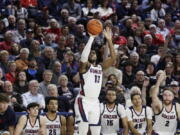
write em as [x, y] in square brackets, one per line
[85, 54]
[156, 102]
[20, 125]
[110, 60]
[63, 125]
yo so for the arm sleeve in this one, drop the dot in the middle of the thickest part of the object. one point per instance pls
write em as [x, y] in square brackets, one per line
[121, 111]
[149, 113]
[87, 49]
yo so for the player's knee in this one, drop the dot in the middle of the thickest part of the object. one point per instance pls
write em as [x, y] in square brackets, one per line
[95, 130]
[83, 128]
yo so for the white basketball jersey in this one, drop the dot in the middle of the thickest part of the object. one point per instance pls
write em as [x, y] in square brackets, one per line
[166, 122]
[29, 129]
[139, 119]
[53, 127]
[91, 82]
[110, 120]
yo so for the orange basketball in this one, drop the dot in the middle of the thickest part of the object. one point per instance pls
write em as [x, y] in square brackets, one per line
[94, 27]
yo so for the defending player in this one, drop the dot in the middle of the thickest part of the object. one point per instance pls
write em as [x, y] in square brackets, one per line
[87, 106]
[31, 124]
[111, 113]
[55, 124]
[166, 112]
[139, 116]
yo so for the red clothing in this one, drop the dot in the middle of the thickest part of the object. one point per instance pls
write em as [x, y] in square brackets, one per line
[120, 41]
[6, 46]
[56, 31]
[10, 77]
[159, 40]
[29, 3]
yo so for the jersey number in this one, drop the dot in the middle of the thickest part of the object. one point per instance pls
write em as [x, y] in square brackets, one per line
[52, 132]
[167, 123]
[97, 78]
[109, 122]
[137, 126]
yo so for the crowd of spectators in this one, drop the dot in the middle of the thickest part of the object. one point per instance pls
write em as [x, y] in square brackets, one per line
[41, 43]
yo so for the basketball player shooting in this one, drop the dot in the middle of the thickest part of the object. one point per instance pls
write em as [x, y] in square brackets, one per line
[87, 107]
[166, 111]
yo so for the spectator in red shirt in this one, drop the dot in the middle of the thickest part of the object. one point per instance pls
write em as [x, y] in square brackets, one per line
[54, 28]
[29, 3]
[158, 38]
[117, 39]
[6, 45]
[11, 75]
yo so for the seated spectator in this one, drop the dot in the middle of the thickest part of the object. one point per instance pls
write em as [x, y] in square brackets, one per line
[128, 74]
[61, 48]
[73, 8]
[162, 28]
[4, 58]
[2, 79]
[157, 12]
[47, 59]
[64, 90]
[6, 44]
[54, 28]
[48, 42]
[175, 87]
[11, 75]
[35, 51]
[21, 84]
[69, 65]
[88, 10]
[7, 117]
[33, 96]
[26, 43]
[12, 22]
[3, 29]
[56, 69]
[64, 15]
[21, 12]
[47, 78]
[54, 8]
[20, 33]
[105, 10]
[22, 62]
[33, 72]
[30, 3]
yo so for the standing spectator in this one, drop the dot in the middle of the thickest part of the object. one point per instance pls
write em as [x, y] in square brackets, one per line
[29, 3]
[47, 77]
[7, 116]
[22, 62]
[21, 12]
[122, 9]
[33, 96]
[88, 10]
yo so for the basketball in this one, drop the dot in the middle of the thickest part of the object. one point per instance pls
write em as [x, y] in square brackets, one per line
[94, 27]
